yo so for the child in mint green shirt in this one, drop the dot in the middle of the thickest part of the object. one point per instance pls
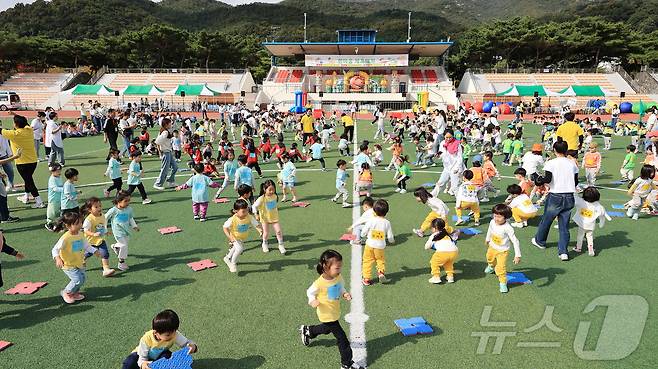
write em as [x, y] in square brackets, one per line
[199, 183]
[135, 172]
[69, 192]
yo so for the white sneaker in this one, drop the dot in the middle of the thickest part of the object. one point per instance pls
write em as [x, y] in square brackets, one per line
[108, 272]
[347, 205]
[265, 247]
[40, 205]
[450, 279]
[398, 190]
[435, 280]
[403, 191]
[534, 242]
[486, 199]
[227, 261]
[233, 268]
[22, 199]
[122, 266]
[517, 225]
[158, 187]
[146, 202]
[282, 250]
[564, 257]
[171, 184]
[636, 216]
[591, 253]
[417, 232]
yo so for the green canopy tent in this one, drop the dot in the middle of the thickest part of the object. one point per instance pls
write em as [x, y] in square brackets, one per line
[529, 90]
[194, 90]
[591, 90]
[145, 90]
[100, 90]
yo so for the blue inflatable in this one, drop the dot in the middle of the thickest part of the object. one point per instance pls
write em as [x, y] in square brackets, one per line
[626, 107]
[486, 108]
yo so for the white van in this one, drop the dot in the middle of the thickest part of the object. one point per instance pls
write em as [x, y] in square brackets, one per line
[9, 101]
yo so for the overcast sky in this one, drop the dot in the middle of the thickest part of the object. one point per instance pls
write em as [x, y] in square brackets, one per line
[6, 4]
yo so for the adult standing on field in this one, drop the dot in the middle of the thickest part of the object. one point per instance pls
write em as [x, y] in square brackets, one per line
[166, 156]
[307, 127]
[111, 131]
[561, 175]
[38, 129]
[21, 139]
[54, 140]
[570, 132]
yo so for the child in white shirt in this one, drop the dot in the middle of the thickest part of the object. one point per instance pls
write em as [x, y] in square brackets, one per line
[467, 198]
[377, 231]
[588, 210]
[445, 252]
[377, 155]
[499, 237]
[640, 190]
[366, 214]
[522, 207]
[438, 210]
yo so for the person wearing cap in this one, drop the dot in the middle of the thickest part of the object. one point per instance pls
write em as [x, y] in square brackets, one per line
[532, 160]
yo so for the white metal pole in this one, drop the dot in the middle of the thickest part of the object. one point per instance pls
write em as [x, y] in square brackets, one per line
[305, 39]
[409, 29]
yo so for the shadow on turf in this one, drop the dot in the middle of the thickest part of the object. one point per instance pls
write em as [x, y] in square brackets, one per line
[249, 362]
[45, 309]
[277, 265]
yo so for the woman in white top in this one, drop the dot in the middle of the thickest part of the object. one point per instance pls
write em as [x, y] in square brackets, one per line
[37, 127]
[54, 140]
[166, 156]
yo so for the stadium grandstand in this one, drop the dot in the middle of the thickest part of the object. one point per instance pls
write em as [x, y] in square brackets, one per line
[557, 87]
[115, 87]
[357, 68]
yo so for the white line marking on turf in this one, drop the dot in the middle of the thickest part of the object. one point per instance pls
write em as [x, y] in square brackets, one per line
[357, 317]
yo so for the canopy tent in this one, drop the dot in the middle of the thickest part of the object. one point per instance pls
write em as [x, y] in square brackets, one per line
[592, 90]
[194, 90]
[145, 90]
[92, 90]
[520, 90]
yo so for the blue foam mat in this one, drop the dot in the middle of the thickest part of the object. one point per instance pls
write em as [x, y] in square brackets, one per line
[616, 214]
[517, 278]
[465, 218]
[618, 206]
[470, 231]
[180, 359]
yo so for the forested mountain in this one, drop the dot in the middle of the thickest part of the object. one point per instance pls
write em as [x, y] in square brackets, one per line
[208, 33]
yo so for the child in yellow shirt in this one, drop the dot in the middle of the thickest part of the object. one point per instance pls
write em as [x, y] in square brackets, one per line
[69, 253]
[95, 228]
[265, 208]
[236, 229]
[324, 296]
[156, 343]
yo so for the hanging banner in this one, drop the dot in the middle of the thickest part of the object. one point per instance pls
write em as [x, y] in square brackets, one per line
[357, 61]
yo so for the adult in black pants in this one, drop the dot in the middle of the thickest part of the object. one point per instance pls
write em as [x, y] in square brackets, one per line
[9, 251]
[21, 139]
[111, 131]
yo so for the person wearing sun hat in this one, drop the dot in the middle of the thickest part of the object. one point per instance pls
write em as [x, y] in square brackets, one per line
[451, 155]
[532, 160]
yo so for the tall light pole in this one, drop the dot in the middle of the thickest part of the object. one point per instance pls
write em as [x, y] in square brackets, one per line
[409, 29]
[305, 39]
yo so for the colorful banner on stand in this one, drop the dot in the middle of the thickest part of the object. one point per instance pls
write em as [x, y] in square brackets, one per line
[357, 61]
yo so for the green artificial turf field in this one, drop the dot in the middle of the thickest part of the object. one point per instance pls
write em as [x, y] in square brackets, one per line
[250, 320]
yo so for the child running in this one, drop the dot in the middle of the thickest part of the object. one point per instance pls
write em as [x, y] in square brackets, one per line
[156, 343]
[364, 181]
[236, 229]
[266, 211]
[95, 228]
[438, 210]
[135, 172]
[499, 236]
[68, 254]
[324, 295]
[199, 183]
[230, 167]
[588, 210]
[123, 223]
[592, 163]
[628, 166]
[377, 231]
[341, 183]
[113, 171]
[402, 174]
[445, 252]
